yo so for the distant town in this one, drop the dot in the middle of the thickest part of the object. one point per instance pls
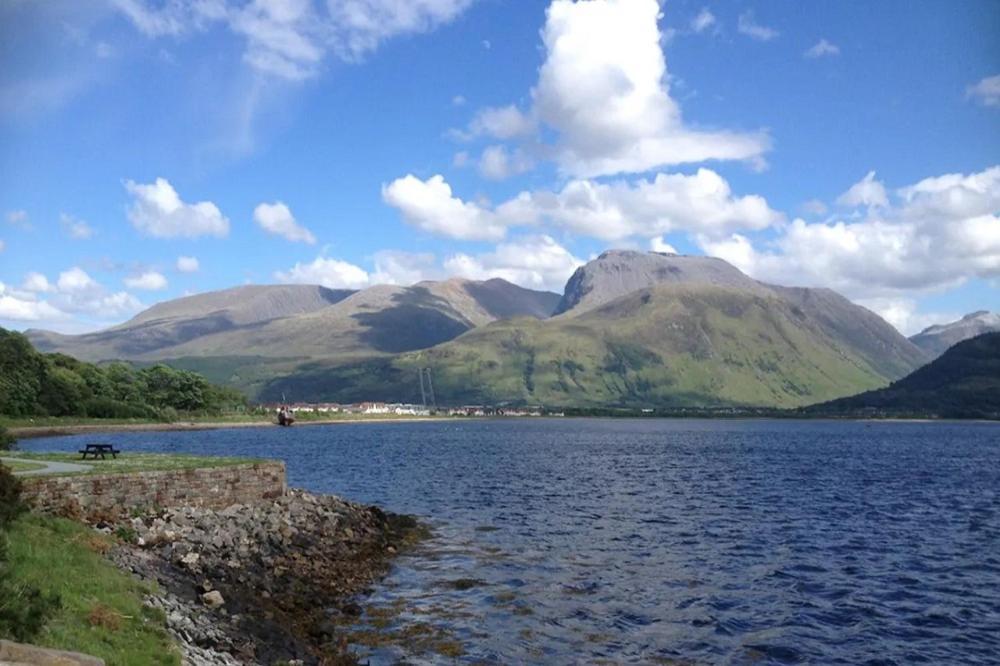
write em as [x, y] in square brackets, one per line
[406, 409]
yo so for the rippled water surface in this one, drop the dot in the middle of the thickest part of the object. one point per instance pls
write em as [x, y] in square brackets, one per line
[667, 541]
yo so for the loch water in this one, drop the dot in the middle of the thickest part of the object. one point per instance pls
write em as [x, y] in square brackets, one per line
[561, 541]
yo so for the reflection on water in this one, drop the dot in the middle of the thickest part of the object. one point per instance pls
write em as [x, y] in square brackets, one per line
[666, 541]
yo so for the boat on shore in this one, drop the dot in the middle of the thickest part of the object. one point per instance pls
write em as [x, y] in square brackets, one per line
[286, 416]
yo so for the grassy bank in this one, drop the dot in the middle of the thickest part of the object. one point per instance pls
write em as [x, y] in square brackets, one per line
[101, 611]
[128, 462]
[20, 466]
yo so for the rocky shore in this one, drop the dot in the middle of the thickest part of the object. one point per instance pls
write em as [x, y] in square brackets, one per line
[269, 582]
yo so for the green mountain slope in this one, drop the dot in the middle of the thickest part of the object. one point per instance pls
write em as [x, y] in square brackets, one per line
[669, 345]
[962, 382]
[304, 321]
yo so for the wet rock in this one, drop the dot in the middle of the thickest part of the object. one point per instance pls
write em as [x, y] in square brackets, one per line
[277, 567]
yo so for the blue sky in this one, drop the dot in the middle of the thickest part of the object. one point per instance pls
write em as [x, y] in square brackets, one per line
[153, 149]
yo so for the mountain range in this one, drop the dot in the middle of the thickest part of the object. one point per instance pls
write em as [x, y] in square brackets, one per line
[631, 328]
[964, 382]
[935, 340]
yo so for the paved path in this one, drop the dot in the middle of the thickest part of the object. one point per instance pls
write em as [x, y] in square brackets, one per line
[51, 467]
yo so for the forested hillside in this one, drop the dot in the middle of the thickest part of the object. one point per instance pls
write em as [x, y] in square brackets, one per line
[35, 384]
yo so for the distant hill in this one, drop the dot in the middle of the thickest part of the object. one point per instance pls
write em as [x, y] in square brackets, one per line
[964, 382]
[304, 321]
[645, 329]
[936, 339]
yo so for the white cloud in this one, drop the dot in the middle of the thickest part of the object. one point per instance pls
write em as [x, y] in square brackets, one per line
[157, 210]
[430, 206]
[658, 244]
[75, 280]
[290, 38]
[506, 122]
[814, 207]
[405, 268]
[75, 293]
[703, 21]
[74, 227]
[13, 308]
[497, 163]
[986, 91]
[37, 283]
[536, 262]
[147, 281]
[938, 234]
[822, 48]
[188, 264]
[603, 90]
[458, 100]
[902, 313]
[460, 159]
[3, 245]
[277, 219]
[700, 203]
[330, 273]
[747, 25]
[865, 192]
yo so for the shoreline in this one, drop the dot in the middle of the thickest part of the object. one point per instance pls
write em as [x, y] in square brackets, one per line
[32, 432]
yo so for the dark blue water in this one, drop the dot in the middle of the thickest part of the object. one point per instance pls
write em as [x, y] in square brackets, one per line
[671, 541]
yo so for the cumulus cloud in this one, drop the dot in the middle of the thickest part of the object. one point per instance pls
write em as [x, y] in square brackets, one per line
[290, 38]
[277, 219]
[865, 192]
[74, 294]
[536, 262]
[822, 48]
[147, 281]
[935, 235]
[903, 314]
[700, 203]
[747, 25]
[703, 21]
[75, 280]
[405, 268]
[157, 210]
[430, 206]
[188, 264]
[37, 283]
[330, 273]
[603, 89]
[986, 91]
[19, 309]
[74, 227]
[602, 100]
[497, 163]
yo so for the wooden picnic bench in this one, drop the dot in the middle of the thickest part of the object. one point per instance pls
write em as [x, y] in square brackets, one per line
[95, 450]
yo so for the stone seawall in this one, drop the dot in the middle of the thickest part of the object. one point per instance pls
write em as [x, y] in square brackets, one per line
[209, 487]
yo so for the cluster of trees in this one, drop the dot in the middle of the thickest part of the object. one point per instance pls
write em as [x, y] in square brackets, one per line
[35, 384]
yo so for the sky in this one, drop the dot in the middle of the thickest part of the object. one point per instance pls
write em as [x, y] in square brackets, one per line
[151, 149]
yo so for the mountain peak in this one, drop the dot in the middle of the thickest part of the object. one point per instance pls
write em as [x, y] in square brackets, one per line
[938, 338]
[615, 273]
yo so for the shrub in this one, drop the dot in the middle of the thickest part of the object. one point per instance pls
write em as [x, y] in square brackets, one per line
[11, 505]
[7, 440]
[24, 610]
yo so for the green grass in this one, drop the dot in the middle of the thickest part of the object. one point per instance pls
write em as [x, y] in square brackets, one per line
[135, 462]
[102, 612]
[17, 466]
